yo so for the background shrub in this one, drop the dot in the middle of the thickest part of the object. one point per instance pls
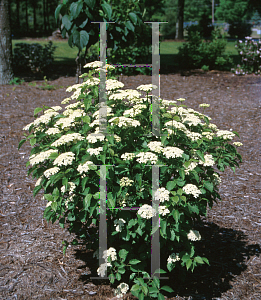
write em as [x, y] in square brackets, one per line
[239, 29]
[198, 52]
[33, 56]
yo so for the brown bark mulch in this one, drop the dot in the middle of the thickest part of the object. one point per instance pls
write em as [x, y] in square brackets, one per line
[32, 265]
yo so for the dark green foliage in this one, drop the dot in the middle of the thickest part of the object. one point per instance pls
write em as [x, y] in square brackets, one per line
[198, 52]
[34, 56]
[239, 29]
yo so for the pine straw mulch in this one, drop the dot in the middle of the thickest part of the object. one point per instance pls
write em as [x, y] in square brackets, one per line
[32, 263]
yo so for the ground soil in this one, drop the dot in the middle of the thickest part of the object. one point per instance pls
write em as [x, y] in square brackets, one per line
[32, 263]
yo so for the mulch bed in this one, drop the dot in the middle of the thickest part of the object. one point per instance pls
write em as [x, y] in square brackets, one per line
[32, 263]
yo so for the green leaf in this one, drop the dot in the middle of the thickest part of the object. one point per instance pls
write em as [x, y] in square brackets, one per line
[87, 201]
[48, 197]
[66, 22]
[37, 110]
[107, 9]
[133, 18]
[121, 270]
[201, 155]
[86, 119]
[153, 290]
[182, 174]
[76, 8]
[209, 185]
[135, 287]
[36, 190]
[53, 155]
[84, 39]
[118, 276]
[188, 263]
[129, 25]
[156, 281]
[163, 226]
[90, 3]
[161, 271]
[160, 297]
[21, 143]
[134, 261]
[170, 185]
[176, 215]
[205, 260]
[111, 200]
[32, 141]
[199, 260]
[123, 253]
[141, 296]
[167, 289]
[57, 11]
[111, 278]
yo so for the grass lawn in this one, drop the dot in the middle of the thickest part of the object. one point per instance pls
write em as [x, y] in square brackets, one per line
[168, 51]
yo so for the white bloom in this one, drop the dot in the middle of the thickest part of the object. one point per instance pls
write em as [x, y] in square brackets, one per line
[111, 252]
[212, 126]
[238, 144]
[204, 105]
[125, 181]
[128, 156]
[85, 167]
[173, 258]
[51, 131]
[146, 211]
[103, 268]
[41, 157]
[95, 151]
[39, 180]
[191, 119]
[144, 157]
[162, 194]
[194, 235]
[172, 152]
[209, 160]
[65, 139]
[147, 87]
[163, 210]
[191, 189]
[112, 84]
[181, 99]
[123, 121]
[194, 136]
[119, 224]
[208, 135]
[191, 167]
[225, 134]
[94, 64]
[72, 187]
[121, 290]
[64, 159]
[155, 146]
[176, 124]
[217, 179]
[93, 138]
[45, 118]
[168, 102]
[28, 126]
[66, 100]
[49, 172]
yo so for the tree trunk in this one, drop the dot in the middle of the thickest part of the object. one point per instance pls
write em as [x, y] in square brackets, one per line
[6, 71]
[180, 20]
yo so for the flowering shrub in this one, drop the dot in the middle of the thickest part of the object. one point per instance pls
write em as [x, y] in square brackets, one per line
[250, 53]
[67, 147]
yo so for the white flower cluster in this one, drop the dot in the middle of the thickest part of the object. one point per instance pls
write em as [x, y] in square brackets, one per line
[212, 126]
[179, 110]
[134, 111]
[127, 156]
[225, 134]
[72, 187]
[162, 194]
[45, 118]
[172, 152]
[168, 102]
[111, 252]
[53, 108]
[28, 126]
[209, 161]
[123, 121]
[85, 167]
[146, 211]
[94, 137]
[217, 179]
[51, 131]
[176, 124]
[70, 120]
[71, 137]
[155, 146]
[108, 110]
[173, 258]
[194, 136]
[95, 151]
[191, 189]
[144, 157]
[39, 180]
[238, 144]
[64, 159]
[94, 64]
[66, 100]
[74, 105]
[41, 157]
[208, 135]
[147, 87]
[204, 105]
[119, 224]
[191, 167]
[112, 84]
[194, 235]
[121, 290]
[125, 181]
[103, 268]
[163, 210]
[191, 119]
[49, 172]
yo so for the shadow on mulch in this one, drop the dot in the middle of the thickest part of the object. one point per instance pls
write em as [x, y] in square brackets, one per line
[226, 251]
